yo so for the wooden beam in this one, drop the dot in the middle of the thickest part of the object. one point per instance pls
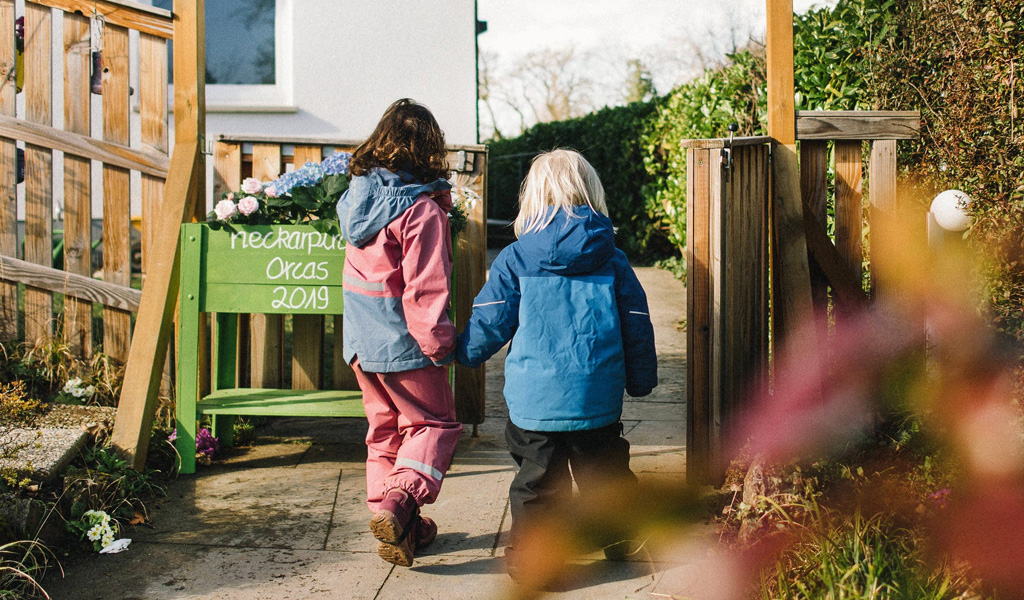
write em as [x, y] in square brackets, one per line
[832, 265]
[849, 208]
[135, 411]
[858, 125]
[716, 143]
[791, 264]
[321, 141]
[814, 189]
[152, 163]
[77, 286]
[137, 404]
[133, 15]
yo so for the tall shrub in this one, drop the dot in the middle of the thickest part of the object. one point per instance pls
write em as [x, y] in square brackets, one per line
[960, 63]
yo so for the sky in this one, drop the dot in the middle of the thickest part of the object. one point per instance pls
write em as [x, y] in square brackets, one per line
[657, 31]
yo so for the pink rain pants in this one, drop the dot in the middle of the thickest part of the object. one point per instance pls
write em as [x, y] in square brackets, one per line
[413, 431]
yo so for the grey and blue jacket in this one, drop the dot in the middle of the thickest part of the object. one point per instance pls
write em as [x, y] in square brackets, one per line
[397, 277]
[578, 321]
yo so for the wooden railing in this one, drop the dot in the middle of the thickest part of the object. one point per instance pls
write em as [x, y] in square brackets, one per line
[270, 359]
[733, 263]
[82, 144]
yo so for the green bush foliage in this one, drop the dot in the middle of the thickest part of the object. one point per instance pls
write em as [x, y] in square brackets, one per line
[960, 64]
[610, 140]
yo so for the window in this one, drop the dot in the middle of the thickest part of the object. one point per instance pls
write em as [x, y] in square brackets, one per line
[247, 45]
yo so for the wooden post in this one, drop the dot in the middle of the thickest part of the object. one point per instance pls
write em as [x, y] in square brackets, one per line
[849, 210]
[184, 185]
[698, 326]
[791, 263]
[8, 183]
[470, 274]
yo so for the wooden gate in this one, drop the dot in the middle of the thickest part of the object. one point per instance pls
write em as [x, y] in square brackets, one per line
[734, 314]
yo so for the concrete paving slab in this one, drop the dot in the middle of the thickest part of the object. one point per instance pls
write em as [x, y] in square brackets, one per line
[193, 572]
[640, 410]
[658, 433]
[350, 529]
[470, 508]
[350, 455]
[255, 508]
[324, 430]
[447, 577]
[258, 456]
[40, 453]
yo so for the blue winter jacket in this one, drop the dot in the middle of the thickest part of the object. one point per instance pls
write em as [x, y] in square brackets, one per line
[578, 321]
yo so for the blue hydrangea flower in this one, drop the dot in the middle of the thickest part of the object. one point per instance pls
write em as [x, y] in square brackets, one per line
[337, 163]
[308, 175]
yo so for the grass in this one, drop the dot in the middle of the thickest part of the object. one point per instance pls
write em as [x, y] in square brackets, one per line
[22, 563]
[837, 556]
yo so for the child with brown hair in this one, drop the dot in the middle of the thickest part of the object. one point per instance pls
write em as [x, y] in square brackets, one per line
[397, 334]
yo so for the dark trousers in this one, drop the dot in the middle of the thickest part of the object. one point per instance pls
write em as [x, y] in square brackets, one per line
[543, 485]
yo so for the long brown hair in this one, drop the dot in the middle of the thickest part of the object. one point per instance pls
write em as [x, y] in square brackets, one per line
[407, 138]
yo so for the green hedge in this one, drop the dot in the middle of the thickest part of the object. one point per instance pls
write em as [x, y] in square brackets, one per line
[610, 140]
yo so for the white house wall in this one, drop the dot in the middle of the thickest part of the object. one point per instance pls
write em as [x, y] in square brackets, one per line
[350, 59]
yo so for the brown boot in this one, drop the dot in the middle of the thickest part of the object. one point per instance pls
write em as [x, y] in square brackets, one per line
[395, 525]
[426, 532]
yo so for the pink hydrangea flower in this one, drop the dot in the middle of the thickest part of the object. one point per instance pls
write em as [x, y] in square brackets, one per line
[252, 186]
[248, 205]
[225, 209]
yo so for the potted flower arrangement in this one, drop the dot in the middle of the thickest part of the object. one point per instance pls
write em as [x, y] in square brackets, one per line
[308, 195]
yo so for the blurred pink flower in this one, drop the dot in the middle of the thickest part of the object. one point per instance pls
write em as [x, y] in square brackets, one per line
[271, 191]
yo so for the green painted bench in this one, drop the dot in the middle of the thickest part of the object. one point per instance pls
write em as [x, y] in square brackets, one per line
[284, 269]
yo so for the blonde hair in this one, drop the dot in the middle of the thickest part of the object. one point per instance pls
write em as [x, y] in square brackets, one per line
[562, 179]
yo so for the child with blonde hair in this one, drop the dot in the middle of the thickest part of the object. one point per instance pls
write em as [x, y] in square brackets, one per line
[581, 335]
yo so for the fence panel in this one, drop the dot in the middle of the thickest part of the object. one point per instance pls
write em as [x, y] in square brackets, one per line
[71, 77]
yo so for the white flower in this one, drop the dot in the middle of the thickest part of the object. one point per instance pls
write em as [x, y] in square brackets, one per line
[90, 390]
[72, 385]
[225, 209]
[95, 532]
[252, 186]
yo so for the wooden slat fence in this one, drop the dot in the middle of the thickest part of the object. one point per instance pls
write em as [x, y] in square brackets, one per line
[733, 325]
[276, 359]
[130, 37]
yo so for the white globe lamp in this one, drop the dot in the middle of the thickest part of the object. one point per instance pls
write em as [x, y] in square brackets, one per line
[950, 210]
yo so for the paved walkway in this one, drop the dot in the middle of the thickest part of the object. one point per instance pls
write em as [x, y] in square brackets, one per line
[285, 519]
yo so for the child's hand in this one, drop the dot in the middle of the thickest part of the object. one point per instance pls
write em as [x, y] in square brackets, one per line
[448, 358]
